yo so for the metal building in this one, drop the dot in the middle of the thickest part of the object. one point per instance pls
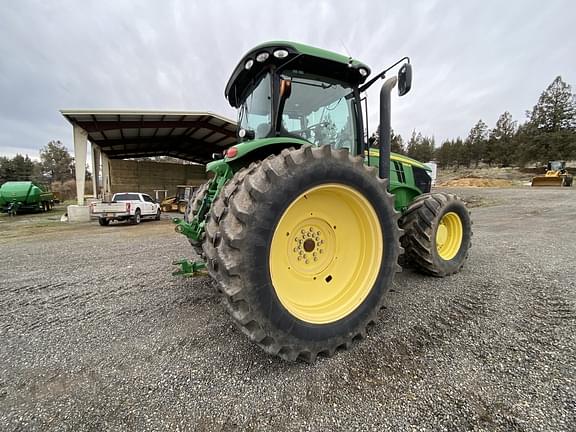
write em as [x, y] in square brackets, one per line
[127, 134]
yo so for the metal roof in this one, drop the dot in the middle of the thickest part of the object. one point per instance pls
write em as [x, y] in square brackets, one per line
[123, 134]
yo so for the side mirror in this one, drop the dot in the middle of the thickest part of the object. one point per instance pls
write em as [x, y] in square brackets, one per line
[404, 79]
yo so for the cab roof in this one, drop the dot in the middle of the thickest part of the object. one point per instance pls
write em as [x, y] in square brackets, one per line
[302, 57]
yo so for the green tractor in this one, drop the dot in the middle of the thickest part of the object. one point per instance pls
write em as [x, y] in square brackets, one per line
[302, 223]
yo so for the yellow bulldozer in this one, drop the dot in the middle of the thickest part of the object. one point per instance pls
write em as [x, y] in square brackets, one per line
[180, 201]
[556, 175]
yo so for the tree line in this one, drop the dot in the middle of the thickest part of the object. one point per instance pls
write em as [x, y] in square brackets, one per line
[549, 133]
[55, 165]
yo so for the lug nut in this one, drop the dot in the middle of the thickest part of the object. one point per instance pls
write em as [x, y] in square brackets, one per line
[315, 258]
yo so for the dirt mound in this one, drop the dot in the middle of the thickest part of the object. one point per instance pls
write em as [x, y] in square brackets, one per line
[475, 182]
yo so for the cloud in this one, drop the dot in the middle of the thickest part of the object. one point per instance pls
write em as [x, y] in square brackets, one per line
[471, 60]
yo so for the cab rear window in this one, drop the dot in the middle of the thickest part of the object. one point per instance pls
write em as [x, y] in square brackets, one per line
[126, 197]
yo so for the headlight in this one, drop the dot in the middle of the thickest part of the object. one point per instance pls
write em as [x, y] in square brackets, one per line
[242, 133]
[248, 64]
[281, 53]
[262, 57]
[363, 72]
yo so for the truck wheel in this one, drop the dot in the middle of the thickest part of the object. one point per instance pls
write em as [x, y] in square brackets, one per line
[103, 221]
[192, 210]
[437, 233]
[304, 246]
[158, 214]
[137, 217]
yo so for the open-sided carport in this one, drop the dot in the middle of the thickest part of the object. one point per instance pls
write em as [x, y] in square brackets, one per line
[125, 134]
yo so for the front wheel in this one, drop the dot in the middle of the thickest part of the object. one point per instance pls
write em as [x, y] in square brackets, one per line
[304, 245]
[158, 214]
[437, 233]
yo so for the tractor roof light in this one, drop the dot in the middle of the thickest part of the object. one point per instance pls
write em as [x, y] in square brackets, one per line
[248, 64]
[363, 72]
[281, 53]
[262, 57]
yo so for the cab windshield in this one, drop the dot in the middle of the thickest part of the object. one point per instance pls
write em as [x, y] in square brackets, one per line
[318, 111]
[255, 113]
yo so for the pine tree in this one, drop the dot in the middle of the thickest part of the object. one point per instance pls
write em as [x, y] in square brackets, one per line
[551, 130]
[396, 141]
[556, 108]
[476, 142]
[420, 147]
[501, 143]
[57, 162]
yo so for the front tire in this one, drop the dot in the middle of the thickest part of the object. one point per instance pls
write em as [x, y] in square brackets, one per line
[437, 233]
[304, 246]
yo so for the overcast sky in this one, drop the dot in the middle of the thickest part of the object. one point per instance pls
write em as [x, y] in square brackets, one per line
[472, 59]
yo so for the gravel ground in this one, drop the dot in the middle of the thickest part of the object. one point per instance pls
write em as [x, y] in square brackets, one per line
[97, 335]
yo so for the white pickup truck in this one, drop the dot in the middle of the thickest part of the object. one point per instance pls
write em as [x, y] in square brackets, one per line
[126, 206]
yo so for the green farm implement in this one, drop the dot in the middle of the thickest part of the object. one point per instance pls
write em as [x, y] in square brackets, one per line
[302, 223]
[24, 196]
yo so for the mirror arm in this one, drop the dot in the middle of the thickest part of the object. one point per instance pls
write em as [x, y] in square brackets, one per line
[382, 74]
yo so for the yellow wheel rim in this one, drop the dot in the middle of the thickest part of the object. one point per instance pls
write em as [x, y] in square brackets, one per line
[449, 236]
[326, 253]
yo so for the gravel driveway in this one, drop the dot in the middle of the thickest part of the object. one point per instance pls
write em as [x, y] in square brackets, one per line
[97, 335]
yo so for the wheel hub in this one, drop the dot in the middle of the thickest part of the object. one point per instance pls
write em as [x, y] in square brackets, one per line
[441, 235]
[312, 247]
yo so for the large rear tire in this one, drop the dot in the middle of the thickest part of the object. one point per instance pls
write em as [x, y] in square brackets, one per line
[192, 210]
[437, 234]
[304, 245]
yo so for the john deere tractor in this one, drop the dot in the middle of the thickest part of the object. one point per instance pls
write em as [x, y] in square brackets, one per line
[302, 224]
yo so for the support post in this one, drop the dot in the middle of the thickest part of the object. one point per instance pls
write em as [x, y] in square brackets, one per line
[80, 144]
[95, 170]
[106, 188]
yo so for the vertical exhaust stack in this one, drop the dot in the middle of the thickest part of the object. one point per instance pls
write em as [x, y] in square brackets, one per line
[385, 128]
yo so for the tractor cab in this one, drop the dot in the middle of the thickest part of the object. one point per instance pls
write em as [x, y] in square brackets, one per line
[558, 166]
[289, 90]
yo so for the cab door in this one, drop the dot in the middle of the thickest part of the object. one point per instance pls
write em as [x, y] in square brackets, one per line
[149, 204]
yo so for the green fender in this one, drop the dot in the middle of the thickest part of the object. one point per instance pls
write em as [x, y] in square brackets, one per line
[247, 147]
